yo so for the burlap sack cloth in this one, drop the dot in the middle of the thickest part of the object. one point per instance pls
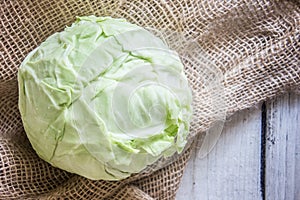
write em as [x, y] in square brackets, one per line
[255, 44]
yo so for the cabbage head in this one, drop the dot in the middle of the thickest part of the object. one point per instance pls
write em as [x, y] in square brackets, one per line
[104, 99]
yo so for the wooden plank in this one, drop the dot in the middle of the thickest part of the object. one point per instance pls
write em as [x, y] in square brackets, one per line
[283, 148]
[232, 169]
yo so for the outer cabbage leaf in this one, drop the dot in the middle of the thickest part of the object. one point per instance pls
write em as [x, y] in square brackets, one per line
[104, 99]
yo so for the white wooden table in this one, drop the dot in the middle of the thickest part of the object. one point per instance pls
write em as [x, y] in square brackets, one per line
[257, 157]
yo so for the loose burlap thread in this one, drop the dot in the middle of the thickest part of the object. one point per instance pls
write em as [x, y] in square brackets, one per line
[254, 44]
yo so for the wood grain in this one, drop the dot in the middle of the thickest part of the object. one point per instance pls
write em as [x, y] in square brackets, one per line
[283, 148]
[257, 157]
[232, 169]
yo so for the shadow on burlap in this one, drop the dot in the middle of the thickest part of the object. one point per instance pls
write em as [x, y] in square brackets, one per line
[254, 44]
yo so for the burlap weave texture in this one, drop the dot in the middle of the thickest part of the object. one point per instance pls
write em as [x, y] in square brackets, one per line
[254, 44]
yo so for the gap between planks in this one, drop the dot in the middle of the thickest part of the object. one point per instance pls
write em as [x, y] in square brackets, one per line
[257, 157]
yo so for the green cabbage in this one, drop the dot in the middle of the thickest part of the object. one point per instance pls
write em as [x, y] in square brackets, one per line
[104, 99]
